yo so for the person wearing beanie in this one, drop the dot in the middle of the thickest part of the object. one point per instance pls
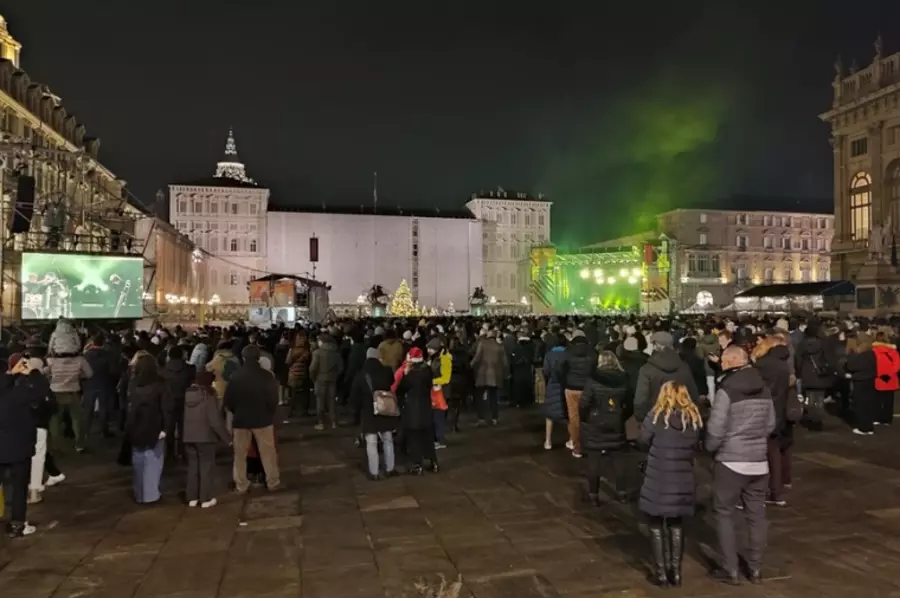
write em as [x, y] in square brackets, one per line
[662, 366]
[414, 396]
[66, 369]
[441, 364]
[325, 370]
[204, 429]
[252, 399]
[372, 378]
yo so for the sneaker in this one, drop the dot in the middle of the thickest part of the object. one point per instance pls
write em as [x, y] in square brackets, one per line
[319, 427]
[723, 576]
[875, 423]
[495, 422]
[439, 446]
[780, 503]
[577, 454]
[55, 480]
[788, 486]
[209, 503]
[570, 445]
[80, 450]
[857, 431]
[193, 503]
[34, 496]
[17, 531]
[548, 446]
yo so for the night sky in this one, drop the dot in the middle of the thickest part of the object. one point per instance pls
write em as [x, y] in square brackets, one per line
[613, 113]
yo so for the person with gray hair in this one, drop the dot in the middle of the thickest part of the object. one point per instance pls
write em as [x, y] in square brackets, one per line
[741, 419]
[663, 365]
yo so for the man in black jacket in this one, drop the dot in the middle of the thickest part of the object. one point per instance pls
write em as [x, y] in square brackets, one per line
[179, 375]
[577, 367]
[252, 397]
[663, 365]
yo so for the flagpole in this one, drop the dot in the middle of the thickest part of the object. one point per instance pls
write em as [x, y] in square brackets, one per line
[374, 211]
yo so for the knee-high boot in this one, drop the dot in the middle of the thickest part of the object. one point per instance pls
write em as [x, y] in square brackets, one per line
[658, 550]
[676, 549]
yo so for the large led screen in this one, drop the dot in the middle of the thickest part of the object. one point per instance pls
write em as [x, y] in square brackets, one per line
[80, 286]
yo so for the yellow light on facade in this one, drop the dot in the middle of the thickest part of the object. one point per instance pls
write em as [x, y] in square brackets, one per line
[598, 273]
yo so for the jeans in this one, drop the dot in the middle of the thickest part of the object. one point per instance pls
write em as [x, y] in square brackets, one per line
[573, 397]
[387, 446]
[69, 402]
[779, 467]
[201, 470]
[440, 419]
[612, 460]
[36, 481]
[14, 478]
[711, 385]
[326, 393]
[102, 399]
[487, 397]
[265, 442]
[729, 487]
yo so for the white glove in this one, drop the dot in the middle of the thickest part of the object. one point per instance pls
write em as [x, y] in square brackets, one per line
[162, 435]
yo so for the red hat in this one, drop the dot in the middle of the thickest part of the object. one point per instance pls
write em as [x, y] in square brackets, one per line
[17, 356]
[414, 355]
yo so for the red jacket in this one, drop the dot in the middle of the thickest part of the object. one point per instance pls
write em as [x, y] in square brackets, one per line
[887, 365]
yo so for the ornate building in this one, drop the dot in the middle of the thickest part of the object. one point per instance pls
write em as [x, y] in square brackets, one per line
[865, 138]
[513, 223]
[225, 216]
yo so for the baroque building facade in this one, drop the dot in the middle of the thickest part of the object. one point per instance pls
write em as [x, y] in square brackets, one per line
[225, 217]
[512, 223]
[865, 138]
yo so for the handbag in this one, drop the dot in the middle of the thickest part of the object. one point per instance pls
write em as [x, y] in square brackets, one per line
[438, 400]
[384, 402]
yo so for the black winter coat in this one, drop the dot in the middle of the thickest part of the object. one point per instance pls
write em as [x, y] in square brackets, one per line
[179, 376]
[252, 397]
[18, 428]
[45, 400]
[579, 364]
[101, 378]
[361, 396]
[698, 370]
[669, 488]
[149, 411]
[414, 395]
[812, 366]
[602, 411]
[662, 366]
[775, 371]
[863, 370]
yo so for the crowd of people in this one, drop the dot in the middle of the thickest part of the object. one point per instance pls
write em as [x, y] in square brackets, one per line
[733, 389]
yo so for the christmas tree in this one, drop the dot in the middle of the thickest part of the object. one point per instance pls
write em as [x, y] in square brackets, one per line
[401, 303]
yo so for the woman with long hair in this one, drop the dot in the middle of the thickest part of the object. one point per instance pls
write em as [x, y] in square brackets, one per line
[149, 417]
[671, 431]
[601, 409]
[862, 369]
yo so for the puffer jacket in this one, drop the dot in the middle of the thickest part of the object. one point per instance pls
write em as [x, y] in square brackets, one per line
[662, 366]
[326, 365]
[554, 402]
[602, 410]
[579, 364]
[742, 417]
[66, 372]
[669, 488]
[812, 366]
[298, 360]
[203, 422]
[18, 426]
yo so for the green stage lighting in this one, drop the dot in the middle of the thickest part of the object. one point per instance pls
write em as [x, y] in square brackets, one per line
[585, 273]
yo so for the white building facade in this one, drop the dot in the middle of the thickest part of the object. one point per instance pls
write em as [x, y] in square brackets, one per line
[513, 223]
[440, 257]
[225, 216]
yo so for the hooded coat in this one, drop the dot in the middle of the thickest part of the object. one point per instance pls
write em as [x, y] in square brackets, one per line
[669, 487]
[775, 370]
[579, 364]
[178, 375]
[203, 422]
[662, 366]
[812, 366]
[414, 396]
[602, 408]
[18, 426]
[490, 364]
[326, 365]
[554, 402]
[149, 405]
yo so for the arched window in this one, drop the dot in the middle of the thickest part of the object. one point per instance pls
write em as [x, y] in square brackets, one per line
[860, 206]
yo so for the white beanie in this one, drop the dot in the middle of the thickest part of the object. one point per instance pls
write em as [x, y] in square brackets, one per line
[407, 335]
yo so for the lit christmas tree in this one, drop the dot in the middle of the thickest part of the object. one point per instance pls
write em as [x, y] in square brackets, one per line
[401, 303]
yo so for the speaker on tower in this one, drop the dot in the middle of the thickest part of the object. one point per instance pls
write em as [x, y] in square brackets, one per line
[314, 249]
[24, 204]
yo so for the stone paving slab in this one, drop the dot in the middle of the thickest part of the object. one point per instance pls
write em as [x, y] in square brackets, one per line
[504, 518]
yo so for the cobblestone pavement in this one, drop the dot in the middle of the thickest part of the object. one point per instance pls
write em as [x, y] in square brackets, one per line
[504, 518]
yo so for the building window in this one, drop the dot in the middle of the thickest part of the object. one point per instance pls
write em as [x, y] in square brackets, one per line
[703, 263]
[540, 219]
[253, 208]
[769, 274]
[742, 242]
[820, 244]
[213, 207]
[233, 278]
[714, 264]
[692, 263]
[512, 281]
[824, 271]
[182, 207]
[821, 223]
[804, 244]
[702, 239]
[859, 147]
[786, 242]
[804, 274]
[233, 245]
[252, 245]
[198, 207]
[767, 241]
[512, 218]
[767, 220]
[743, 219]
[213, 244]
[703, 217]
[234, 208]
[499, 280]
[741, 272]
[795, 244]
[788, 272]
[527, 220]
[860, 206]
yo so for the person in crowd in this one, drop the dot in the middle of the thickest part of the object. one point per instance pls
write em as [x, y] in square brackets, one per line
[298, 360]
[491, 370]
[687, 352]
[99, 388]
[149, 418]
[578, 363]
[521, 368]
[772, 358]
[815, 374]
[391, 350]
[281, 367]
[461, 376]
[18, 437]
[862, 370]
[44, 406]
[252, 399]
[204, 429]
[663, 365]
[223, 365]
[737, 434]
[887, 365]
[200, 353]
[554, 407]
[325, 371]
[179, 376]
[413, 385]
[66, 369]
[603, 425]
[356, 358]
[372, 378]
[670, 431]
[441, 364]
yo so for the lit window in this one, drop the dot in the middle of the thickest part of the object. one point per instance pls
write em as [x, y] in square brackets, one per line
[233, 246]
[703, 217]
[860, 206]
[703, 239]
[233, 280]
[742, 241]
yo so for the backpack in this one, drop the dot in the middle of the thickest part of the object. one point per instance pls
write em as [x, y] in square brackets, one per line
[384, 402]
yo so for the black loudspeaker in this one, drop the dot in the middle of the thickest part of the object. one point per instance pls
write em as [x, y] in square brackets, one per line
[313, 249]
[24, 204]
